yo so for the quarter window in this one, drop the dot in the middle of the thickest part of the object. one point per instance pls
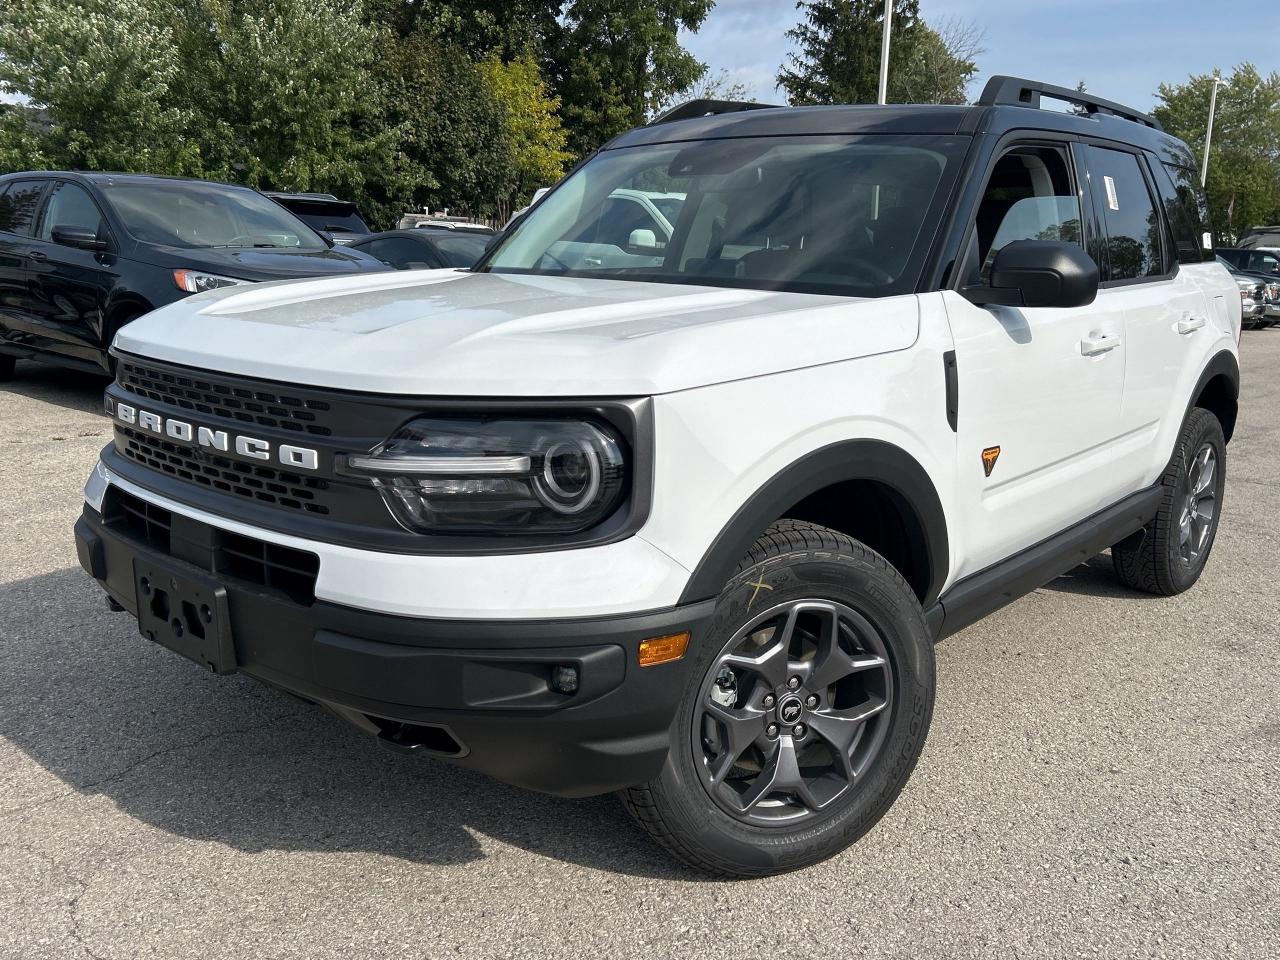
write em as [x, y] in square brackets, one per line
[1183, 205]
[18, 206]
[1132, 244]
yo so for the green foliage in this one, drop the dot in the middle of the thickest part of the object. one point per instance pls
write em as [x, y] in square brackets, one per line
[617, 61]
[469, 104]
[535, 139]
[838, 60]
[106, 69]
[1244, 155]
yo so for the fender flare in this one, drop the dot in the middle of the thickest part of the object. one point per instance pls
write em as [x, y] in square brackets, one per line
[1223, 363]
[839, 462]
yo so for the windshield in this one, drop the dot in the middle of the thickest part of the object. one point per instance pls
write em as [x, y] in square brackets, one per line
[812, 214]
[185, 213]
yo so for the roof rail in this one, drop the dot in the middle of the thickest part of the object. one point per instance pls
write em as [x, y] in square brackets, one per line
[707, 108]
[1015, 91]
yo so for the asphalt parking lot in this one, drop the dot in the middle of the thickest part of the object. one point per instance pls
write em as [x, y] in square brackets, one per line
[1102, 779]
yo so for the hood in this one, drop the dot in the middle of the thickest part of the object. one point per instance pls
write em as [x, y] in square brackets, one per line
[266, 263]
[454, 333]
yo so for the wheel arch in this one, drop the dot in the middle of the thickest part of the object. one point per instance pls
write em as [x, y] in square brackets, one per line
[1218, 391]
[853, 486]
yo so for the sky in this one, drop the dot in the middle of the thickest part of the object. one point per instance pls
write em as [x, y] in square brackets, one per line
[1122, 49]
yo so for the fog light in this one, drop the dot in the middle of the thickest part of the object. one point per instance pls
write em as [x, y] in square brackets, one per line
[564, 679]
[658, 650]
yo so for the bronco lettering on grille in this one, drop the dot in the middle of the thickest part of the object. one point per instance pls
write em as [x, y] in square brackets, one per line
[288, 455]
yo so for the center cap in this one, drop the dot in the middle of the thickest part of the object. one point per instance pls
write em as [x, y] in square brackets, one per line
[790, 710]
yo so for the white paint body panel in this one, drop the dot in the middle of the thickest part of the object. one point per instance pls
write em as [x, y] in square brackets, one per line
[744, 384]
[451, 333]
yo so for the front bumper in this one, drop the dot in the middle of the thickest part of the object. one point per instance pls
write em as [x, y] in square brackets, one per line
[476, 692]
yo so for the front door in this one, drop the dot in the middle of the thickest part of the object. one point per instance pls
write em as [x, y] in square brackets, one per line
[70, 286]
[1041, 390]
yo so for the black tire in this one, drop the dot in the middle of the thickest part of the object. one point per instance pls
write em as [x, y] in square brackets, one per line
[7, 363]
[1156, 560]
[796, 561]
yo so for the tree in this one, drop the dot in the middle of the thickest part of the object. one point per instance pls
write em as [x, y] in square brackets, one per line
[616, 61]
[839, 56]
[105, 70]
[838, 60]
[939, 65]
[1244, 162]
[534, 137]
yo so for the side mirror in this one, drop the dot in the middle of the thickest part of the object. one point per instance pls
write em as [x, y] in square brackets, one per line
[642, 238]
[81, 238]
[1039, 273]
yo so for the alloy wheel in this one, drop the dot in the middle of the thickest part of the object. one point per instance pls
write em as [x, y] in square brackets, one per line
[1200, 505]
[793, 712]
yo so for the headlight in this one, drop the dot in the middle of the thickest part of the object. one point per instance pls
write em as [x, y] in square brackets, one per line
[445, 475]
[196, 281]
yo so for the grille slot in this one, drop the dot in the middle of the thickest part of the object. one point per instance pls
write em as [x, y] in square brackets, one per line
[290, 571]
[264, 484]
[144, 522]
[277, 568]
[226, 400]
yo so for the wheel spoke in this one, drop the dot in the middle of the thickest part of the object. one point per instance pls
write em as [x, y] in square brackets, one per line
[780, 774]
[770, 663]
[832, 663]
[1206, 465]
[842, 729]
[741, 727]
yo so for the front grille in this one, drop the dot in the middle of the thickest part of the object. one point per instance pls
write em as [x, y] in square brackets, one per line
[227, 400]
[220, 552]
[266, 484]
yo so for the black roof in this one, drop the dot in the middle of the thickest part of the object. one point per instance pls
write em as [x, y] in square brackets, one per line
[1000, 109]
[103, 176]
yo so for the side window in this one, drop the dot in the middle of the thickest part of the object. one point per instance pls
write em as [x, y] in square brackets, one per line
[18, 206]
[71, 206]
[1133, 247]
[1183, 206]
[1030, 195]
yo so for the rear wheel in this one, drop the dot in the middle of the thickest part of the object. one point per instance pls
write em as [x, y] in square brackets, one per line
[807, 712]
[1171, 551]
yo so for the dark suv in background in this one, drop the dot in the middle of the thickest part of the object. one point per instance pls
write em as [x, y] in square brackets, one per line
[82, 254]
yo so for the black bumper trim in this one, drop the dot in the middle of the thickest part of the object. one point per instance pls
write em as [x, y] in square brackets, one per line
[486, 682]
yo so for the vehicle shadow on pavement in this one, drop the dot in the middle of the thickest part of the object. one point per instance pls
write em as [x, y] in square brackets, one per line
[1095, 578]
[72, 389]
[227, 760]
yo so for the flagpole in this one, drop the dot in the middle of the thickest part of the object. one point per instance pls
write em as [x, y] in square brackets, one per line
[884, 52]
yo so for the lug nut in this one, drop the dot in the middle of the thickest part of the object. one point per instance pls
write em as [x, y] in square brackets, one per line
[812, 701]
[768, 700]
[771, 730]
[793, 683]
[798, 731]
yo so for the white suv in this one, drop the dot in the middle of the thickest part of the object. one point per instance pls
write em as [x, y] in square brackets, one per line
[685, 519]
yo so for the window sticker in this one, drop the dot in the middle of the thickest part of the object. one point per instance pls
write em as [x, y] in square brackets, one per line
[1112, 200]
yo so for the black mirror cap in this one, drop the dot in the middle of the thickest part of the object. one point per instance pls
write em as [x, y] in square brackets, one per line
[79, 237]
[1041, 273]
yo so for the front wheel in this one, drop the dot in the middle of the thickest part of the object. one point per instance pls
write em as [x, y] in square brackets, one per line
[805, 716]
[1169, 554]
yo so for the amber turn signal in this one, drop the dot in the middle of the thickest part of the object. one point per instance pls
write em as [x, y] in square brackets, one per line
[658, 650]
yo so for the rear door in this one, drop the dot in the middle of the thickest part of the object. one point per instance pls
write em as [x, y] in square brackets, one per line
[1040, 390]
[1164, 314]
[19, 204]
[71, 287]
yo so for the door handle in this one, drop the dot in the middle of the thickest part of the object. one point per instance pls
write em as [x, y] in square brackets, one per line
[1095, 344]
[37, 255]
[1189, 325]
